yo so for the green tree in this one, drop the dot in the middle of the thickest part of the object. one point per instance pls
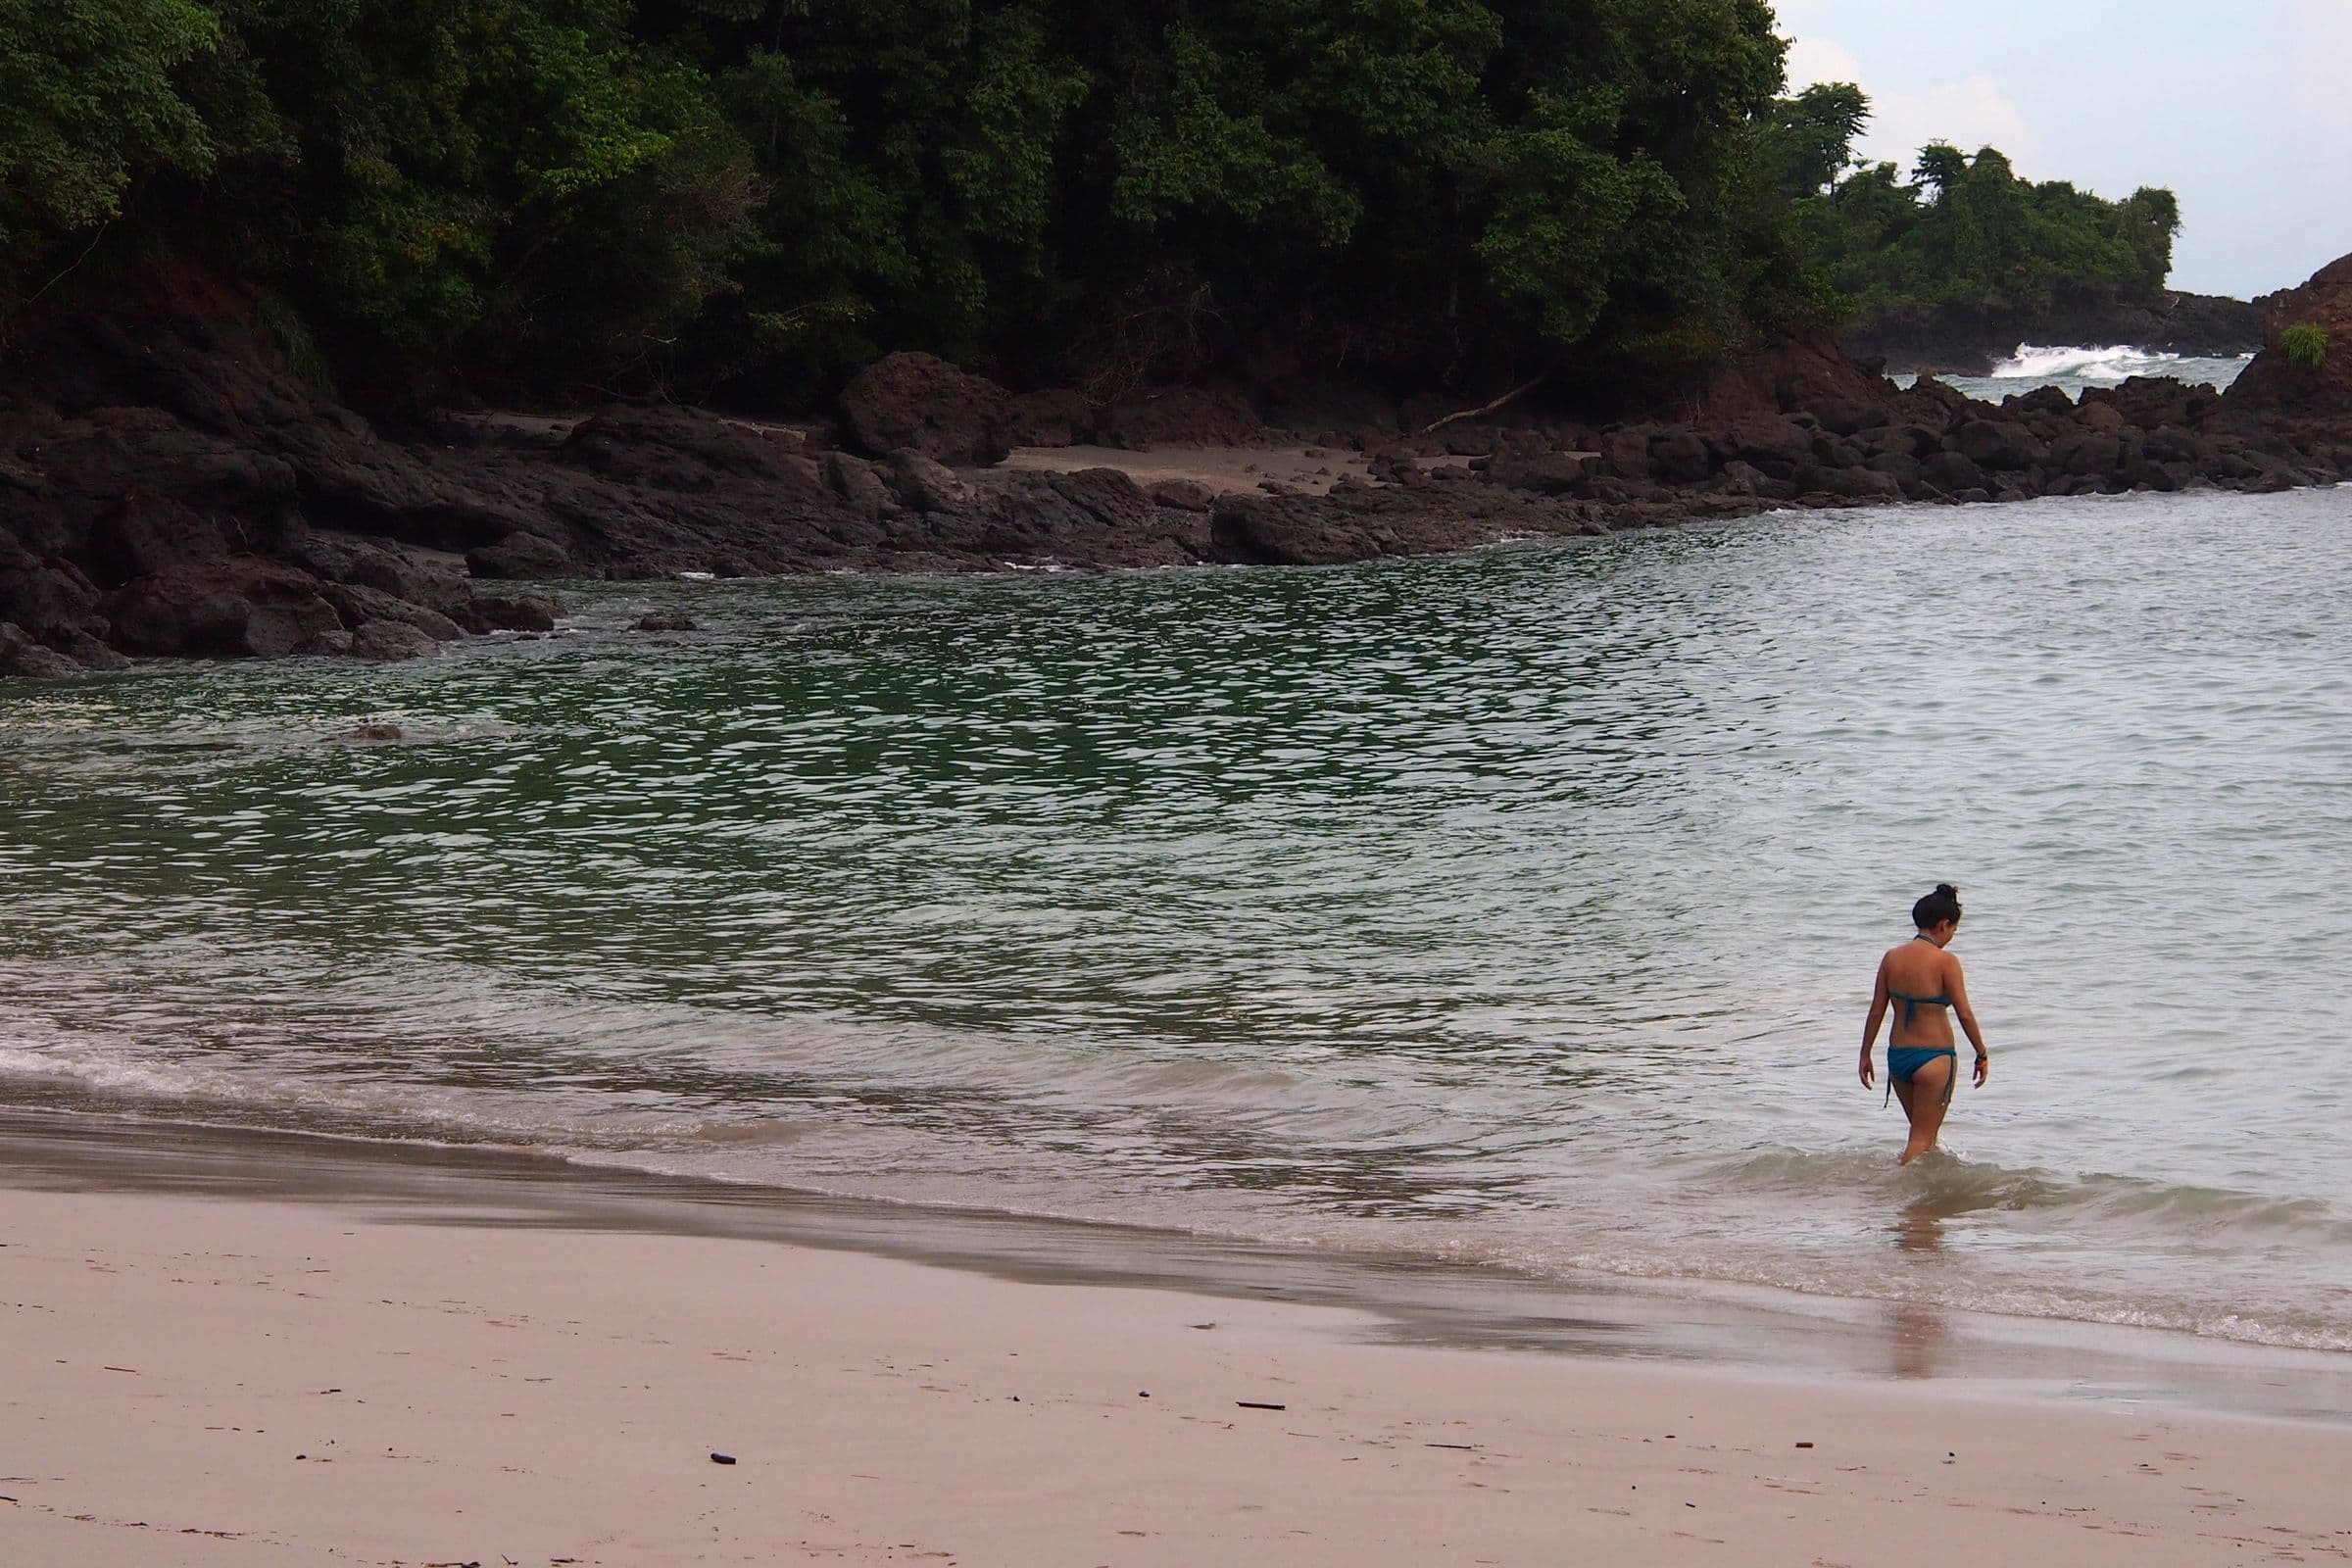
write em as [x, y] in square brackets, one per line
[1967, 235]
[90, 101]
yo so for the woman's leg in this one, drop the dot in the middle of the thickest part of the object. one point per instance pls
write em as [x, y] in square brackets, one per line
[1924, 1099]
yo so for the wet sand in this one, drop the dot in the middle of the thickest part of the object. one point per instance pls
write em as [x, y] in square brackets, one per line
[420, 1364]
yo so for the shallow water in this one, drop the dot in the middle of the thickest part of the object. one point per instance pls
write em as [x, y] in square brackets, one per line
[1514, 908]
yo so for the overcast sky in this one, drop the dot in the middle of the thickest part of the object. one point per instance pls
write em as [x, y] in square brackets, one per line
[2242, 106]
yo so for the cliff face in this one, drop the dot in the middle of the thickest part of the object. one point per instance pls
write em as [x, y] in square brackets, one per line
[2295, 394]
[1959, 342]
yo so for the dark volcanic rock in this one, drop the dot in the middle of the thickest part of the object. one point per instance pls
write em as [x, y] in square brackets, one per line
[359, 607]
[856, 482]
[924, 404]
[1185, 495]
[687, 451]
[234, 608]
[1998, 445]
[1951, 473]
[2321, 398]
[513, 613]
[388, 641]
[924, 485]
[1681, 456]
[1551, 473]
[21, 655]
[1107, 495]
[148, 534]
[521, 553]
[166, 487]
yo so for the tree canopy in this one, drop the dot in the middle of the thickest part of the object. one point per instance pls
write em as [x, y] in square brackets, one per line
[682, 194]
[1964, 231]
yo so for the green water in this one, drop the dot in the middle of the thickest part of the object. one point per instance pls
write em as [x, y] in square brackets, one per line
[1513, 909]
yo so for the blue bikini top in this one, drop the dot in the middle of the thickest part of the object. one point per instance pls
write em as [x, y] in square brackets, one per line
[1911, 1003]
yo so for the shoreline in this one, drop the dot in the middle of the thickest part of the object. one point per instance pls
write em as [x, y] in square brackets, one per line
[248, 1379]
[387, 544]
[1406, 1300]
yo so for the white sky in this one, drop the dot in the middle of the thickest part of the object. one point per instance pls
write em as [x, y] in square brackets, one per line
[2242, 106]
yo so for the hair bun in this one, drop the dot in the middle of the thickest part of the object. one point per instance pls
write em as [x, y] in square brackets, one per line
[1945, 889]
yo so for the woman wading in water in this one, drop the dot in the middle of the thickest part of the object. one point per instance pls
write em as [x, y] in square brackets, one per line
[1921, 983]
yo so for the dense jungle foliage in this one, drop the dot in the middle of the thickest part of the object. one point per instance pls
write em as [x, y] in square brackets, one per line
[1962, 235]
[684, 194]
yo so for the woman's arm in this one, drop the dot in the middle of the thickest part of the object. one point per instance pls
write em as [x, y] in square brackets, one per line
[1870, 1025]
[1958, 991]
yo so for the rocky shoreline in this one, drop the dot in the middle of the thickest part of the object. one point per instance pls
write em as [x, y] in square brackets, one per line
[171, 489]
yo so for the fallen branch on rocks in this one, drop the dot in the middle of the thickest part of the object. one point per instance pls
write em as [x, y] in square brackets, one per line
[1496, 407]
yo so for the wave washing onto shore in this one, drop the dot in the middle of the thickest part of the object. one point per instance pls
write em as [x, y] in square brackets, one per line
[2073, 370]
[2034, 362]
[1508, 910]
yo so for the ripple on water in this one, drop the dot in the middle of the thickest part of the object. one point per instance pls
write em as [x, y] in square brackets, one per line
[1512, 906]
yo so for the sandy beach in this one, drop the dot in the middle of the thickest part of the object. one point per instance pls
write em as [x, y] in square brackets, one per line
[204, 1379]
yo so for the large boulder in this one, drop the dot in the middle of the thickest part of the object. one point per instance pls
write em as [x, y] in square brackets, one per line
[1853, 484]
[22, 656]
[1286, 531]
[1681, 456]
[362, 608]
[687, 451]
[389, 641]
[1543, 473]
[921, 404]
[857, 484]
[47, 598]
[922, 484]
[1999, 445]
[2324, 393]
[1107, 495]
[146, 534]
[521, 554]
[241, 607]
[1182, 495]
[1951, 473]
[1768, 438]
[2092, 453]
[1625, 454]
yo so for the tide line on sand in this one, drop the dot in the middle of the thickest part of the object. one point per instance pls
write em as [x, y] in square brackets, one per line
[300, 1383]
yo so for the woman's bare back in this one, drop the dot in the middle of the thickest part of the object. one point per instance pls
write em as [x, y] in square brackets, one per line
[1920, 980]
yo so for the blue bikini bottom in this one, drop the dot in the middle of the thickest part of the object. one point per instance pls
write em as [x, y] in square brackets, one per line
[1904, 1061]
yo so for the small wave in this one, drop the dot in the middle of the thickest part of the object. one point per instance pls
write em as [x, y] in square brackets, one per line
[2116, 363]
[1951, 1184]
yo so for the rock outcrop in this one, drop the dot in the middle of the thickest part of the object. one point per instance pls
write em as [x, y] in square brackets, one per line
[167, 488]
[2317, 400]
[917, 402]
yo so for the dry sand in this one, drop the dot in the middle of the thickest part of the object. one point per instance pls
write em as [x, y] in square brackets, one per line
[206, 1379]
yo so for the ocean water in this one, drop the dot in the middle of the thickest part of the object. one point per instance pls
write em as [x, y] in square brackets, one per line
[2073, 370]
[1516, 909]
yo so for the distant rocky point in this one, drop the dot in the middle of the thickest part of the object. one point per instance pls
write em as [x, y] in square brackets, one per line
[168, 487]
[1966, 342]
